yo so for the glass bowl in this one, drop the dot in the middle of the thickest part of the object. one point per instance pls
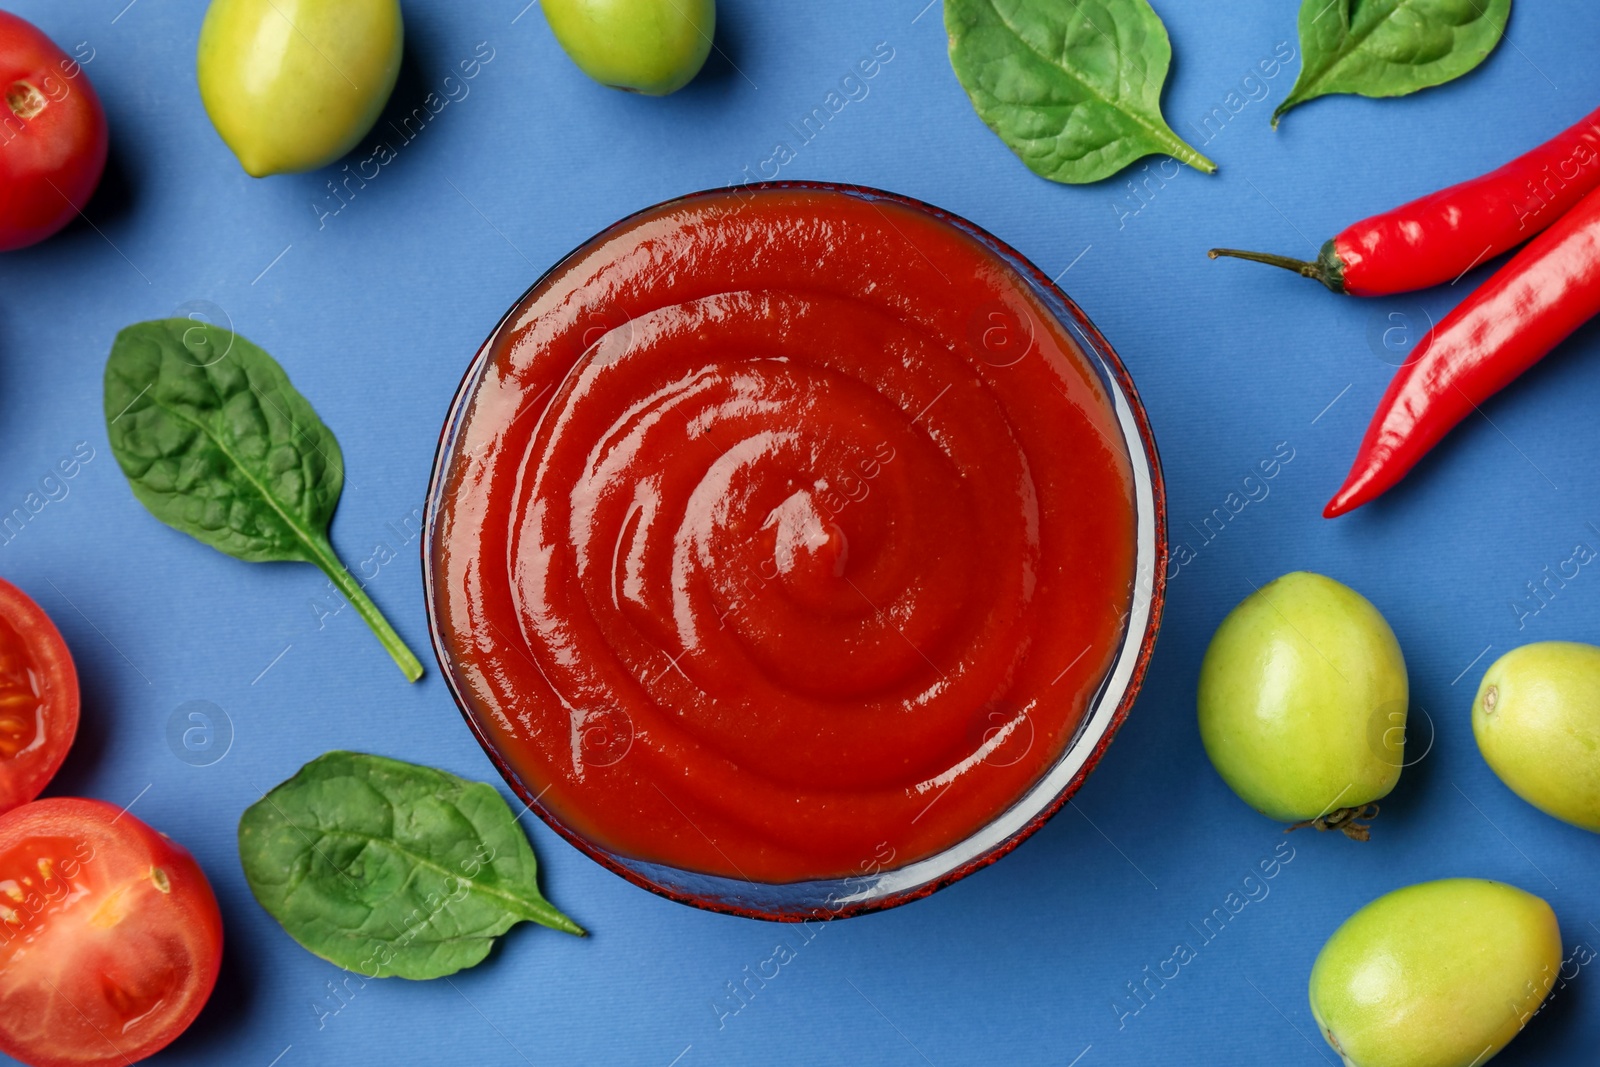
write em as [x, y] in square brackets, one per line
[875, 889]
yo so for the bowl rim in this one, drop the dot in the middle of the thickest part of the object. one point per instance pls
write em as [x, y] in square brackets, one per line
[1098, 348]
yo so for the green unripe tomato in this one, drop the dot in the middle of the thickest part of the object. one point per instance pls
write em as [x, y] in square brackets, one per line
[1537, 720]
[292, 85]
[1303, 699]
[1442, 974]
[646, 46]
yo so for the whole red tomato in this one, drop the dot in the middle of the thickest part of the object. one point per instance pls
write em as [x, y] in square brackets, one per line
[52, 136]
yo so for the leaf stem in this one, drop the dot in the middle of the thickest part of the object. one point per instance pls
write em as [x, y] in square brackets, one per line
[550, 916]
[328, 562]
[1292, 100]
[1179, 149]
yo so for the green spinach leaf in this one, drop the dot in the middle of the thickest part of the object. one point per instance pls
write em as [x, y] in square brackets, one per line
[1391, 47]
[1073, 87]
[217, 443]
[390, 869]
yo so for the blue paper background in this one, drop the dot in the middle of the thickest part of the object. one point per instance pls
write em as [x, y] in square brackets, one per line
[376, 312]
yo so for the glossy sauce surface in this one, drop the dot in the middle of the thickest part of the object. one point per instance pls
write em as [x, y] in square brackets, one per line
[783, 533]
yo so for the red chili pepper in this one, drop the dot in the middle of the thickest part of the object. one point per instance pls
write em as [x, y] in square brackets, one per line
[1532, 304]
[1439, 237]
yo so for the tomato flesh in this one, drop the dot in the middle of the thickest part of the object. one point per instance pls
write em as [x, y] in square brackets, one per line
[21, 696]
[38, 698]
[110, 937]
[53, 138]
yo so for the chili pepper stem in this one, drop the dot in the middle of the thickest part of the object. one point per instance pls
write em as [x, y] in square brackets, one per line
[1304, 267]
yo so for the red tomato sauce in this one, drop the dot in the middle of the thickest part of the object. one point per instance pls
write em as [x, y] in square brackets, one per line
[782, 528]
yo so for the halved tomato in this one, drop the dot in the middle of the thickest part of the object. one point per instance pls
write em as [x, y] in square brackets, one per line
[38, 698]
[110, 937]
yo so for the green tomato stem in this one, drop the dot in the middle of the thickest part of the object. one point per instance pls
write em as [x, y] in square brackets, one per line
[1343, 820]
[351, 590]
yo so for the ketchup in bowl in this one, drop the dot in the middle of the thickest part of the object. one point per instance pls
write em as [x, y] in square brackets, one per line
[786, 533]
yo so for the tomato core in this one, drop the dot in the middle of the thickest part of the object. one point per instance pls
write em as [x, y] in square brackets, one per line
[24, 100]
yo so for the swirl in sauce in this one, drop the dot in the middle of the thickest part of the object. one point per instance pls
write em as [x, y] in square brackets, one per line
[779, 526]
